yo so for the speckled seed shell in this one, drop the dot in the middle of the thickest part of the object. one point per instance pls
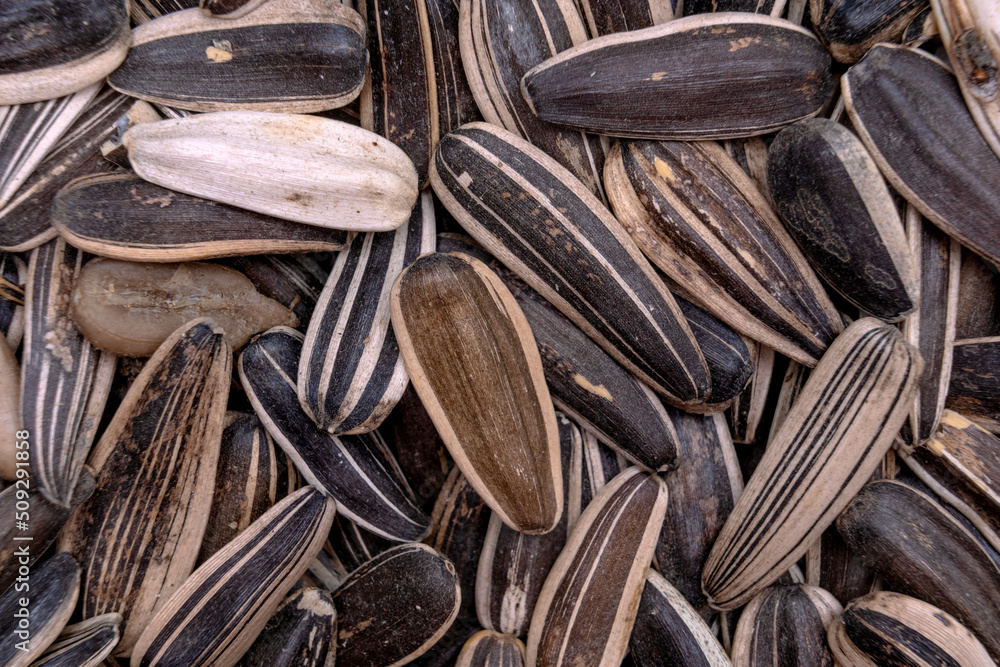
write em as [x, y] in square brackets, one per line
[974, 390]
[53, 591]
[711, 76]
[302, 168]
[849, 28]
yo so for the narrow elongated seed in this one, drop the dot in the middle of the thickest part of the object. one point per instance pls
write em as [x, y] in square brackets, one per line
[882, 525]
[727, 356]
[689, 206]
[849, 29]
[302, 633]
[294, 281]
[608, 16]
[455, 104]
[889, 627]
[499, 42]
[944, 167]
[29, 131]
[125, 217]
[491, 649]
[746, 412]
[352, 374]
[54, 588]
[228, 9]
[304, 168]
[71, 378]
[517, 202]
[844, 421]
[26, 219]
[931, 329]
[83, 644]
[785, 624]
[473, 361]
[974, 380]
[838, 209]
[792, 385]
[585, 618]
[190, 61]
[686, 79]
[598, 466]
[668, 631]
[358, 471]
[215, 616]
[395, 607]
[137, 537]
[46, 54]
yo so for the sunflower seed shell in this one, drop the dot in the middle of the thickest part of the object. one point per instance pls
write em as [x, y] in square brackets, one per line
[83, 644]
[302, 633]
[491, 649]
[54, 588]
[974, 390]
[785, 624]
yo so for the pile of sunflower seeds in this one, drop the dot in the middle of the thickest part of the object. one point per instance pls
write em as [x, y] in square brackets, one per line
[499, 333]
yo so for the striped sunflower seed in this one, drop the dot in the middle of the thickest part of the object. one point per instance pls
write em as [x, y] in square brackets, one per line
[302, 633]
[752, 73]
[215, 616]
[54, 588]
[727, 356]
[833, 438]
[142, 11]
[747, 411]
[598, 466]
[302, 168]
[455, 104]
[516, 202]
[889, 628]
[190, 61]
[975, 377]
[491, 649]
[849, 28]
[124, 217]
[83, 644]
[45, 54]
[472, 359]
[785, 624]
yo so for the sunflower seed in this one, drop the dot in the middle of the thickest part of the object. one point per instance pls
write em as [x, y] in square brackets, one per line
[491, 649]
[909, 112]
[302, 168]
[978, 298]
[358, 471]
[849, 28]
[352, 546]
[294, 281]
[921, 29]
[747, 410]
[216, 615]
[455, 103]
[517, 202]
[582, 618]
[302, 633]
[893, 628]
[83, 644]
[130, 309]
[190, 61]
[609, 16]
[54, 587]
[688, 206]
[53, 48]
[473, 361]
[13, 275]
[352, 374]
[395, 607]
[229, 9]
[142, 11]
[917, 544]
[975, 376]
[785, 624]
[792, 385]
[10, 411]
[125, 217]
[727, 356]
[843, 423]
[772, 7]
[681, 80]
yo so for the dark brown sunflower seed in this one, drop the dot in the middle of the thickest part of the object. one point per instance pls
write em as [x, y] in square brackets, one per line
[974, 390]
[668, 631]
[907, 108]
[978, 298]
[536, 218]
[713, 76]
[585, 612]
[190, 61]
[500, 41]
[395, 607]
[302, 633]
[785, 624]
[747, 411]
[294, 281]
[130, 309]
[51, 595]
[13, 276]
[455, 104]
[125, 217]
[700, 218]
[838, 209]
[251, 476]
[491, 649]
[228, 9]
[55, 48]
[834, 567]
[850, 27]
[25, 220]
[727, 354]
[216, 615]
[68, 377]
[836, 433]
[472, 359]
[138, 535]
[915, 543]
[351, 374]
[356, 470]
[83, 644]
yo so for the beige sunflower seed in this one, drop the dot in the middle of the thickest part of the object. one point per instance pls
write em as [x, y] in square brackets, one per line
[833, 438]
[849, 28]
[785, 624]
[302, 633]
[491, 649]
[302, 168]
[473, 360]
[130, 309]
[83, 644]
[975, 377]
[216, 615]
[52, 594]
